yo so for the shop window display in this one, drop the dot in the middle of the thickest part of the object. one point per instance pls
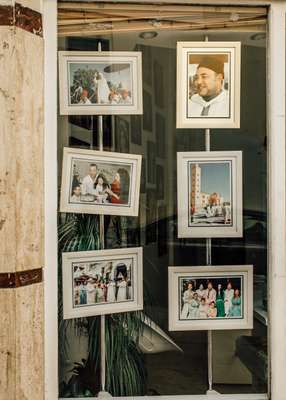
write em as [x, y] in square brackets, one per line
[143, 355]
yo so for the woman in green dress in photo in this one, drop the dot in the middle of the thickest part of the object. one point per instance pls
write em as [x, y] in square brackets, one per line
[235, 310]
[220, 302]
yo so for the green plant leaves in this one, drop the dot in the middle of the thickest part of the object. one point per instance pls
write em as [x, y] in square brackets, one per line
[125, 369]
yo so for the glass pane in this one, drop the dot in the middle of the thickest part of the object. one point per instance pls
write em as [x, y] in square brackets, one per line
[161, 362]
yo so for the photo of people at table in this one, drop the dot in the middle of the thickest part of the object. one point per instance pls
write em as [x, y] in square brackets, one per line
[211, 298]
[100, 182]
[102, 282]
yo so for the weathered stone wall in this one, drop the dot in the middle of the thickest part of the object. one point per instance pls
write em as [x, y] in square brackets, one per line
[21, 201]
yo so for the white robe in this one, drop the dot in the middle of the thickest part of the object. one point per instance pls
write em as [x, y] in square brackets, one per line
[111, 292]
[201, 293]
[87, 186]
[187, 297]
[210, 295]
[90, 293]
[100, 295]
[228, 296]
[102, 195]
[203, 310]
[227, 214]
[122, 291]
[75, 199]
[127, 100]
[103, 90]
[219, 106]
[129, 292]
[194, 309]
[85, 101]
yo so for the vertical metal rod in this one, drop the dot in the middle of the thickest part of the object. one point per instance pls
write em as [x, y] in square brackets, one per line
[102, 352]
[100, 145]
[209, 251]
[113, 133]
[100, 132]
[101, 238]
[91, 132]
[210, 365]
[207, 140]
[101, 217]
[209, 262]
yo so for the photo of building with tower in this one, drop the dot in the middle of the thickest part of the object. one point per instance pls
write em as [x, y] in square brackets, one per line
[210, 193]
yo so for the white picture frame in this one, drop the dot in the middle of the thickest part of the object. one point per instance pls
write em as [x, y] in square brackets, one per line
[197, 88]
[106, 196]
[114, 85]
[185, 315]
[84, 268]
[209, 207]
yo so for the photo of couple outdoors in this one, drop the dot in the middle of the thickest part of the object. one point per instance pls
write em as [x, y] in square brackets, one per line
[100, 83]
[210, 298]
[210, 197]
[102, 282]
[99, 183]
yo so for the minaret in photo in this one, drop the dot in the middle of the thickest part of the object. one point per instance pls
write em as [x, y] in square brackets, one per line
[195, 188]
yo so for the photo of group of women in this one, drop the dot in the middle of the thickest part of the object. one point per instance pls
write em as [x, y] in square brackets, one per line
[100, 182]
[103, 282]
[205, 298]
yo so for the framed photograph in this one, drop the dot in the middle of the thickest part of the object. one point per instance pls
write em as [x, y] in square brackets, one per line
[98, 83]
[211, 298]
[208, 84]
[102, 282]
[209, 189]
[98, 182]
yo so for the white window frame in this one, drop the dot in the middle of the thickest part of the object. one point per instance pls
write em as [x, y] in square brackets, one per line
[276, 184]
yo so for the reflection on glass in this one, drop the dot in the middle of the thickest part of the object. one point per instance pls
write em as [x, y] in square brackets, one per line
[175, 363]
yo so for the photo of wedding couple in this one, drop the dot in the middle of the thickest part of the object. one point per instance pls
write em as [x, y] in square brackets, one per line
[102, 282]
[218, 297]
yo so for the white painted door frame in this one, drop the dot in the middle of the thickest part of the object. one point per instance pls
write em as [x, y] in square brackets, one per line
[276, 185]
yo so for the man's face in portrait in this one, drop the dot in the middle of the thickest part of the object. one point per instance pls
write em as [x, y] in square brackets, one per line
[208, 82]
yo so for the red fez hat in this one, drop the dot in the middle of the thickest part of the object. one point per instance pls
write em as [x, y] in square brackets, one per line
[215, 62]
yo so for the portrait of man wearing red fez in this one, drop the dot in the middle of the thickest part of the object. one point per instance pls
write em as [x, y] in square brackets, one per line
[208, 86]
